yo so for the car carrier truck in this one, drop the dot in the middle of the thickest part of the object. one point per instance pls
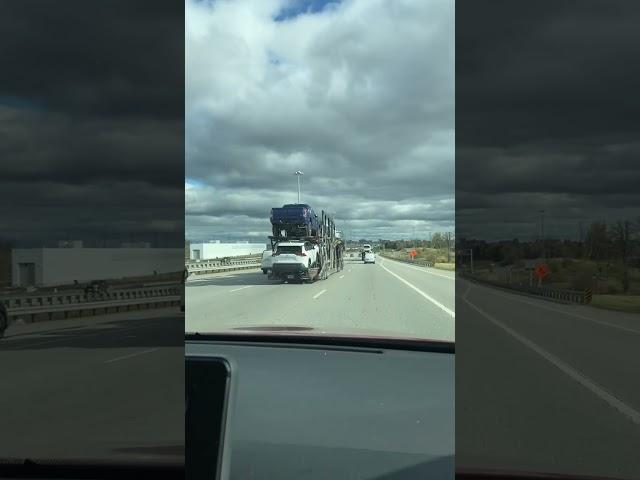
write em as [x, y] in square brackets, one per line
[305, 258]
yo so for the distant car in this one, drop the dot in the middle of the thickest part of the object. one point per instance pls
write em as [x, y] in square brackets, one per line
[4, 319]
[369, 257]
[267, 261]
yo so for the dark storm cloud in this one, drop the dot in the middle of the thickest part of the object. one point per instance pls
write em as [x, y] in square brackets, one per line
[545, 102]
[91, 120]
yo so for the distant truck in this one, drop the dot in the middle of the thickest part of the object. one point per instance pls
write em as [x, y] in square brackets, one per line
[365, 249]
[294, 220]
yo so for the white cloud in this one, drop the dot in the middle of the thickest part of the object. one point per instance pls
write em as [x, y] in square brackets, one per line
[360, 97]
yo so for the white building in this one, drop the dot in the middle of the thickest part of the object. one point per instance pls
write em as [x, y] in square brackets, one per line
[216, 249]
[43, 267]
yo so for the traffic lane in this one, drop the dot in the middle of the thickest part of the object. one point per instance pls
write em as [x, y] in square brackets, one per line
[122, 331]
[362, 298]
[33, 330]
[607, 355]
[517, 411]
[248, 301]
[92, 396]
[439, 286]
[370, 298]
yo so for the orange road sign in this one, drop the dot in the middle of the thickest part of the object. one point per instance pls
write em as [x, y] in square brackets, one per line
[542, 270]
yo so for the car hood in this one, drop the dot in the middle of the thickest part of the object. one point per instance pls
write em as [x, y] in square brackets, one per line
[303, 331]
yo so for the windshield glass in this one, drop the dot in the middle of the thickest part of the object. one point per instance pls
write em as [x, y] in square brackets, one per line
[289, 249]
[332, 126]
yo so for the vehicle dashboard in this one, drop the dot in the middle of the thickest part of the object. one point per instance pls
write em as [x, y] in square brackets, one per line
[296, 410]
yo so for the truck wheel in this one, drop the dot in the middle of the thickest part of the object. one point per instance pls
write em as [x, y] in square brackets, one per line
[4, 323]
[264, 270]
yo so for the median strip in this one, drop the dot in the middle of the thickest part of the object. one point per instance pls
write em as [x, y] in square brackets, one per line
[429, 298]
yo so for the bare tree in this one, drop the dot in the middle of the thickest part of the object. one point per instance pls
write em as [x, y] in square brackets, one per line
[621, 239]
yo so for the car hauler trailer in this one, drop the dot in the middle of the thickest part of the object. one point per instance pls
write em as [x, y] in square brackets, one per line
[328, 249]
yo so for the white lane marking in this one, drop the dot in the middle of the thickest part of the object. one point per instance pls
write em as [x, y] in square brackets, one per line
[80, 327]
[123, 357]
[515, 298]
[431, 299]
[341, 276]
[424, 270]
[241, 288]
[318, 294]
[586, 382]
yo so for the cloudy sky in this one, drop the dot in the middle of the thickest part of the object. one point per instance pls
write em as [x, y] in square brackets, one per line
[91, 121]
[546, 116]
[358, 94]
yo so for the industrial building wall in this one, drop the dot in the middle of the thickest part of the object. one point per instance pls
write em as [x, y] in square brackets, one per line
[207, 251]
[26, 266]
[60, 266]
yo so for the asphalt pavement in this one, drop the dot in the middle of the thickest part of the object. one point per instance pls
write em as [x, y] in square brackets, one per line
[109, 386]
[387, 298]
[547, 387]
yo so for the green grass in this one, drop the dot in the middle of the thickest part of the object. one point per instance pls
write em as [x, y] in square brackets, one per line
[623, 303]
[445, 266]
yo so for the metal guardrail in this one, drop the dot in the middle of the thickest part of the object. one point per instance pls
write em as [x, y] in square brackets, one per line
[420, 263]
[50, 304]
[201, 267]
[548, 293]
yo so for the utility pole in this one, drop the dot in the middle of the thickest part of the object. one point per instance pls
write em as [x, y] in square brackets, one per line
[542, 232]
[298, 174]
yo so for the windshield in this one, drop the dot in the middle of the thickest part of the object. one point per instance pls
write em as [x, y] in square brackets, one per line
[289, 249]
[335, 129]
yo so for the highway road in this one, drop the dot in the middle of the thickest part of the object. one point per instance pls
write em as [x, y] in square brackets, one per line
[545, 386]
[387, 298]
[103, 387]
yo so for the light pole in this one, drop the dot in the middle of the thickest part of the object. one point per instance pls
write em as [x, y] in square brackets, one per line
[298, 174]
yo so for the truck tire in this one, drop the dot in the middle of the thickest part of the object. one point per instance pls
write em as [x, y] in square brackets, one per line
[4, 323]
[264, 270]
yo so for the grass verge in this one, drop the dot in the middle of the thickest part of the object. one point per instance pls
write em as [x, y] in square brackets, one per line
[445, 266]
[623, 303]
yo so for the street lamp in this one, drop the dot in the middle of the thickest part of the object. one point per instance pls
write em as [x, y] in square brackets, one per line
[298, 174]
